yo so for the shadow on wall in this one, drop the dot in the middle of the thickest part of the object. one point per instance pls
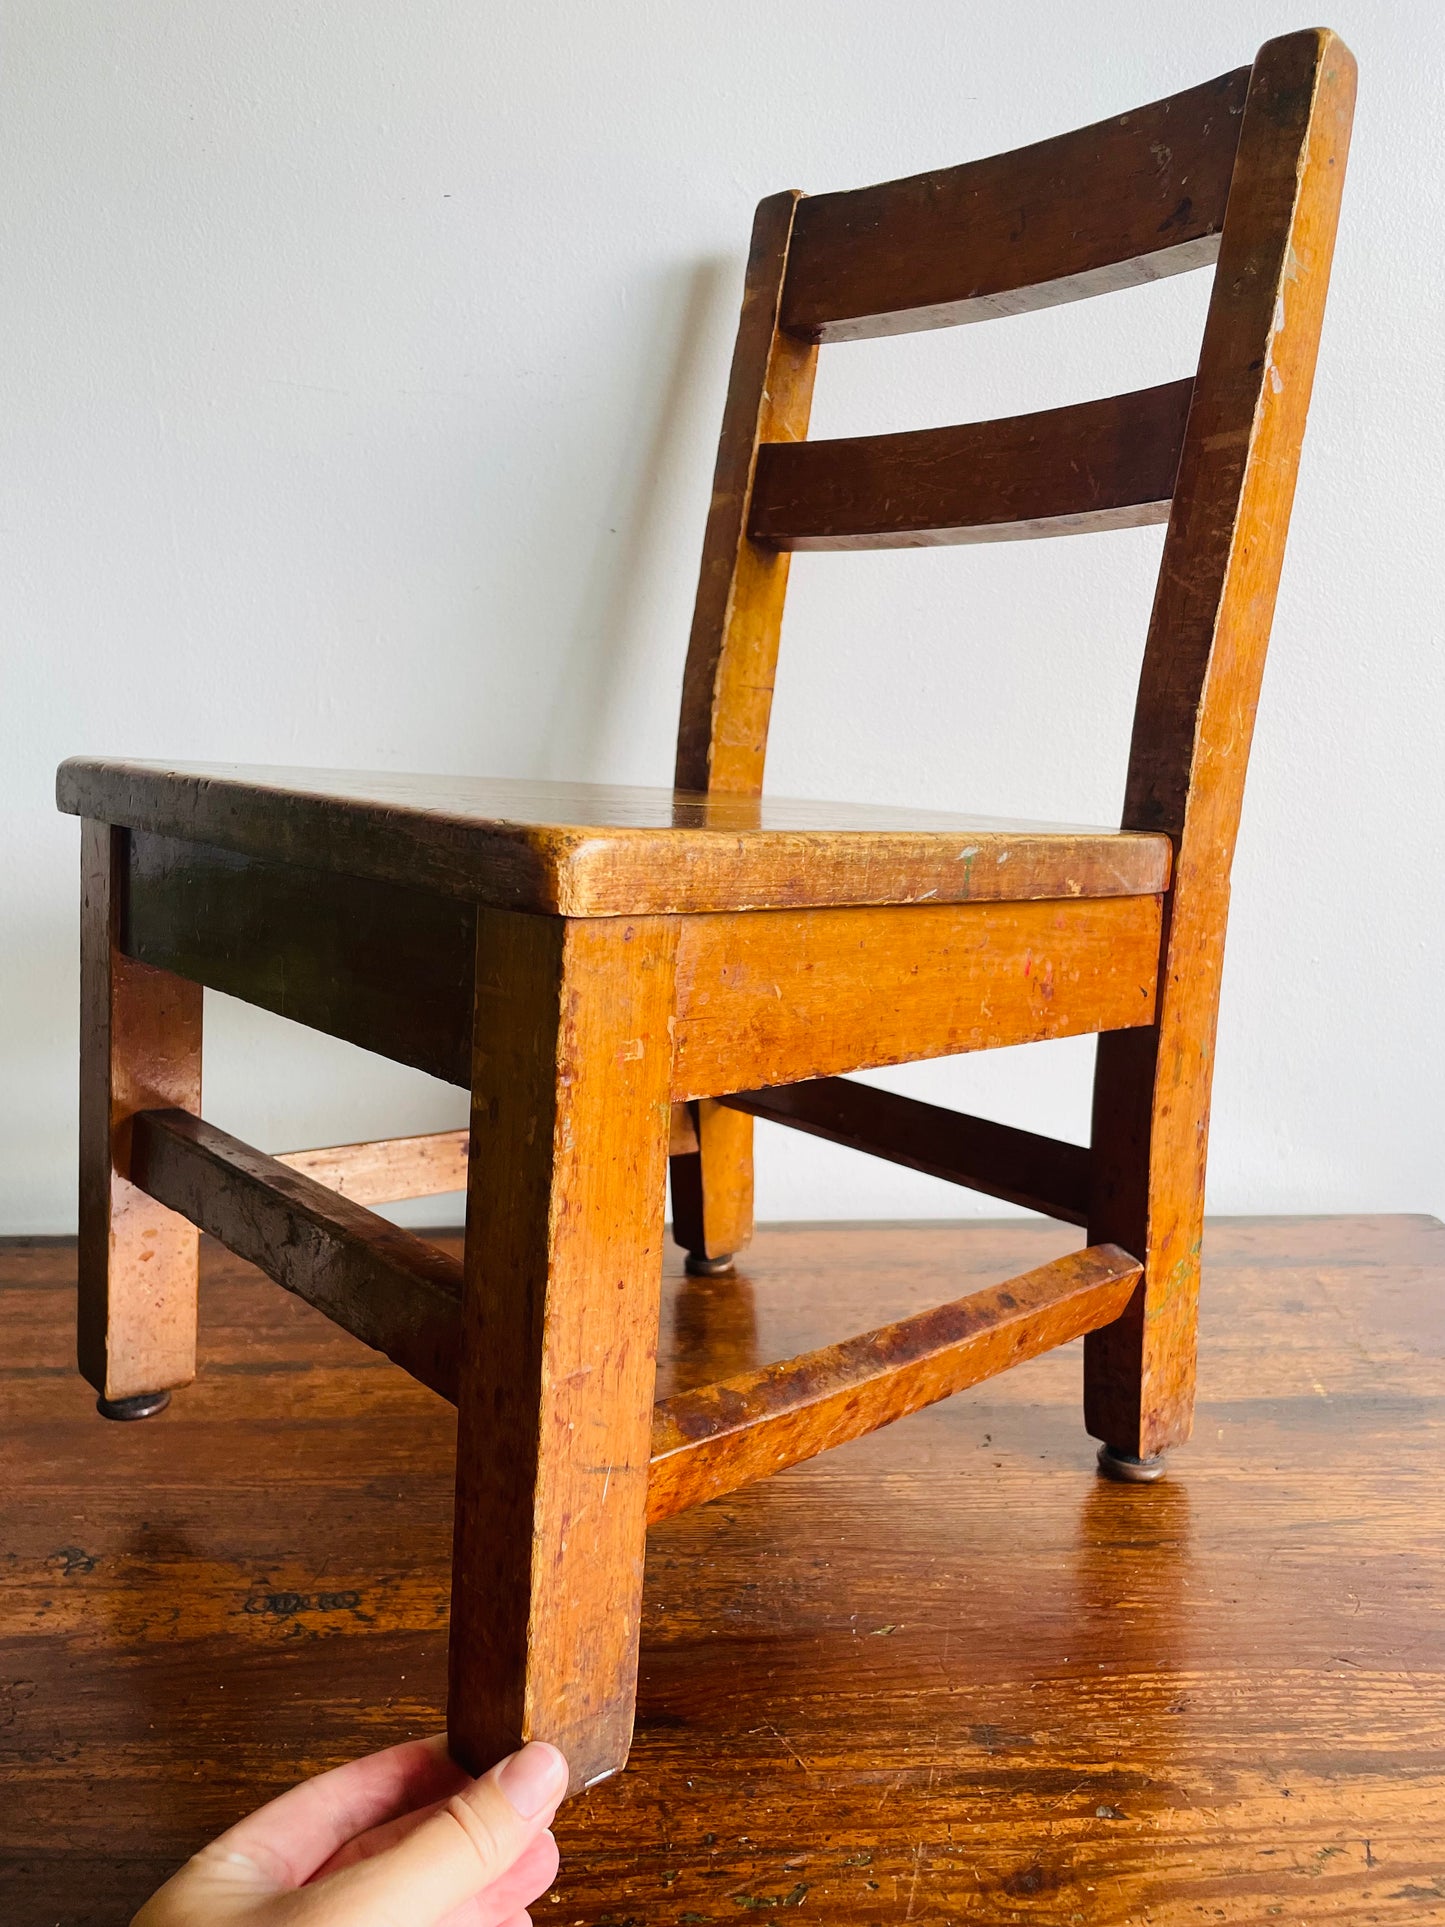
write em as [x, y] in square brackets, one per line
[39, 1015]
[593, 703]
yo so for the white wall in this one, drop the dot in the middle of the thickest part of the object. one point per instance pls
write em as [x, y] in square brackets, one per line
[361, 367]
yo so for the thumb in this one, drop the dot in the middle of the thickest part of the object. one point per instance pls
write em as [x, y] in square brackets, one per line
[460, 1850]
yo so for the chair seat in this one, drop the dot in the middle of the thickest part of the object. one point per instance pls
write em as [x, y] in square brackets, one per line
[592, 849]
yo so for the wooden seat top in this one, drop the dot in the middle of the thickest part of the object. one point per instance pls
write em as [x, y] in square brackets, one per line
[592, 849]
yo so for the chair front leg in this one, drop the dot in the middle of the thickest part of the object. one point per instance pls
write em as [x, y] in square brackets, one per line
[566, 1188]
[140, 1049]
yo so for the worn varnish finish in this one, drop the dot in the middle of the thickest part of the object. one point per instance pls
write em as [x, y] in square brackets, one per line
[1195, 716]
[639, 949]
[140, 1046]
[569, 849]
[387, 1168]
[712, 1217]
[386, 1287]
[393, 969]
[570, 1124]
[1067, 471]
[903, 1678]
[732, 655]
[1131, 199]
[375, 962]
[732, 660]
[1041, 1173]
[711, 1440]
[774, 997]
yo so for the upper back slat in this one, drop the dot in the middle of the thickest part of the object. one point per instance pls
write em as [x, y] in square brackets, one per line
[1127, 200]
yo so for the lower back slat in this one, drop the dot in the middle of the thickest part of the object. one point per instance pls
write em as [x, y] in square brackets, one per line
[1095, 465]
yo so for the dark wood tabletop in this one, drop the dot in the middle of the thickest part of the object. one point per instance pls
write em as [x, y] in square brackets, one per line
[943, 1674]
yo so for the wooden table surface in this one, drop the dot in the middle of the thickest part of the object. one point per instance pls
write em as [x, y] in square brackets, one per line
[941, 1675]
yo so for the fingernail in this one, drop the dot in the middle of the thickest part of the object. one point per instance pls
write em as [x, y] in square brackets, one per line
[533, 1779]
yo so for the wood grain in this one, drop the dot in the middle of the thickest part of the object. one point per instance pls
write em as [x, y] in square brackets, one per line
[909, 1672]
[709, 1441]
[570, 1123]
[381, 965]
[140, 1046]
[1066, 471]
[386, 1169]
[775, 997]
[865, 987]
[1040, 1173]
[732, 652]
[1195, 715]
[589, 850]
[732, 656]
[1131, 199]
[712, 1182]
[386, 1287]
[637, 948]
[682, 1131]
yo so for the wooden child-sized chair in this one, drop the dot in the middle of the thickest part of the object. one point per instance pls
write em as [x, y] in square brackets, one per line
[616, 974]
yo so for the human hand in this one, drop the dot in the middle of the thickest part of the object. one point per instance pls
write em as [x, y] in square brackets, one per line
[399, 1839]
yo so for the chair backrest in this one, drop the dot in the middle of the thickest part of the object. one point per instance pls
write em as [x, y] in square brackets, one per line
[1245, 172]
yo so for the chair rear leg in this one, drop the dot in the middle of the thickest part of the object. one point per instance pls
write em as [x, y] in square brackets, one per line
[712, 1190]
[140, 1049]
[566, 1193]
[1149, 1144]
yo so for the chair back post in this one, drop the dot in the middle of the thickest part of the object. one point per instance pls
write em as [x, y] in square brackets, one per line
[1203, 662]
[1244, 171]
[732, 655]
[727, 687]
